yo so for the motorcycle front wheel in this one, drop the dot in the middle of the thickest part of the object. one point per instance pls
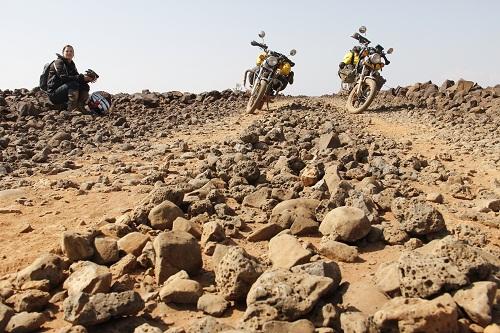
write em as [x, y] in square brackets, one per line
[357, 103]
[257, 96]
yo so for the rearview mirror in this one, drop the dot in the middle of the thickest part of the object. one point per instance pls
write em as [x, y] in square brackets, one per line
[362, 29]
[389, 51]
[262, 34]
[293, 52]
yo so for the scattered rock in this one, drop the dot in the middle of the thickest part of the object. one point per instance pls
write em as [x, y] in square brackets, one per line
[85, 309]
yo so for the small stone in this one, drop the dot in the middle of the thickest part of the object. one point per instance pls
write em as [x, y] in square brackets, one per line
[214, 305]
[25, 322]
[133, 243]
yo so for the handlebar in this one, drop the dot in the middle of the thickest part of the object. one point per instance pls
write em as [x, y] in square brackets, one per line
[361, 39]
[273, 53]
[254, 43]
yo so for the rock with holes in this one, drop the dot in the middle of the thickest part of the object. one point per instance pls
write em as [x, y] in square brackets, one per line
[417, 218]
[85, 309]
[236, 272]
[472, 261]
[415, 315]
[279, 294]
[426, 275]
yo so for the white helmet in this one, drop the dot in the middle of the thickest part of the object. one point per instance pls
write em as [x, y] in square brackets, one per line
[99, 102]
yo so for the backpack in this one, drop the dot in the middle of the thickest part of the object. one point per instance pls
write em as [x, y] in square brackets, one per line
[45, 76]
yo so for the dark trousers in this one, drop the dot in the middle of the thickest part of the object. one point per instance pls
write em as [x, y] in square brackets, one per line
[60, 95]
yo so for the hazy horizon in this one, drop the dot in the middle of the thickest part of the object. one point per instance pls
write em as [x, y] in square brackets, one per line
[191, 46]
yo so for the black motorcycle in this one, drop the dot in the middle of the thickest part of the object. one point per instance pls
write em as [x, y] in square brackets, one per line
[368, 80]
[272, 74]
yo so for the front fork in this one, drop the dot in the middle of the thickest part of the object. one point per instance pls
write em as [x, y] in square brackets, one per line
[361, 80]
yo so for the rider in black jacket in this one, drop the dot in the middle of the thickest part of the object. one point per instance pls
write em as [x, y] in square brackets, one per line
[65, 84]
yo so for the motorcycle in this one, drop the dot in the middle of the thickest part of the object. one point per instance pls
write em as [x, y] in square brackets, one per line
[272, 74]
[368, 80]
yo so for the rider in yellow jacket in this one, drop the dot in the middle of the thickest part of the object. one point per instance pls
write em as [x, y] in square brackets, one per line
[351, 57]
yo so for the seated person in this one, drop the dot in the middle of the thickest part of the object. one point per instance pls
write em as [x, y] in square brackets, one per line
[65, 85]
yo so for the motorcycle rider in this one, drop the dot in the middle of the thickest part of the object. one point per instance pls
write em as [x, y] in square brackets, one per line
[351, 59]
[65, 84]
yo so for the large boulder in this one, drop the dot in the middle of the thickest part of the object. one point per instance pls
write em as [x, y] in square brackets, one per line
[30, 300]
[46, 267]
[285, 251]
[89, 278]
[426, 275]
[133, 243]
[235, 273]
[85, 309]
[415, 315]
[417, 218]
[77, 246]
[176, 251]
[180, 290]
[26, 322]
[106, 250]
[279, 294]
[348, 224]
[288, 213]
[162, 217]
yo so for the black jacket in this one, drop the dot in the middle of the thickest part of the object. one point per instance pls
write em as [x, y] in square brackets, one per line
[61, 72]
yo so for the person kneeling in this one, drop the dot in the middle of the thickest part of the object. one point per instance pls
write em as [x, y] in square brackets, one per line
[65, 85]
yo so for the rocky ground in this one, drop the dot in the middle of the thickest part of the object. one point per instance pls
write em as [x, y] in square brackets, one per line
[180, 213]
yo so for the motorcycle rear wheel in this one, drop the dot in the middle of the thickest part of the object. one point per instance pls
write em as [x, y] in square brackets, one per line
[358, 104]
[257, 96]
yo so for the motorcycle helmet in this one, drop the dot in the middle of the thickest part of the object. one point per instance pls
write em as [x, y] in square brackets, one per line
[356, 49]
[99, 102]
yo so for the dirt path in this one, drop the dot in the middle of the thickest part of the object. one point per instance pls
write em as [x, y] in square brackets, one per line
[33, 225]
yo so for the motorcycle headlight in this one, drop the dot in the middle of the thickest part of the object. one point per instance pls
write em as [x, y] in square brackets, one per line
[272, 61]
[375, 58]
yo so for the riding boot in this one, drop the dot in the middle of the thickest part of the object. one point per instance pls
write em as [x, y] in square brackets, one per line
[82, 100]
[73, 100]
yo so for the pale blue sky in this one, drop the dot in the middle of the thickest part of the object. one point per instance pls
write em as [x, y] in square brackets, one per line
[203, 45]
